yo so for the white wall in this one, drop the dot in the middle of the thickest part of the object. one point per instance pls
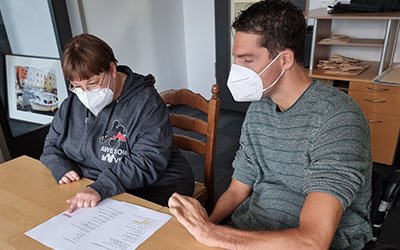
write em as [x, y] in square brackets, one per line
[147, 35]
[173, 40]
[32, 34]
[199, 27]
[358, 29]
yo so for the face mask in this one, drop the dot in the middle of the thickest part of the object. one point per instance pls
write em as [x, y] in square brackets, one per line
[95, 100]
[246, 85]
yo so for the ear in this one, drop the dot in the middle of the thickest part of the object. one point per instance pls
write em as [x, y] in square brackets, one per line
[113, 69]
[287, 59]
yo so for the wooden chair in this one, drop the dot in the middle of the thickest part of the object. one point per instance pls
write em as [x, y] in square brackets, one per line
[204, 192]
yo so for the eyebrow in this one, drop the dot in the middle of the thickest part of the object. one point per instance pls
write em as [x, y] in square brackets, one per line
[93, 82]
[90, 81]
[244, 55]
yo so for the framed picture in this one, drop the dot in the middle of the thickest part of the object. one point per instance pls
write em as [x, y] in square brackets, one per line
[35, 88]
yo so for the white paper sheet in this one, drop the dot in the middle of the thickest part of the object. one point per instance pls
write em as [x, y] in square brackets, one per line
[112, 225]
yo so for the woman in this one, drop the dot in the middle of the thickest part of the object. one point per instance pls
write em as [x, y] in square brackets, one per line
[114, 130]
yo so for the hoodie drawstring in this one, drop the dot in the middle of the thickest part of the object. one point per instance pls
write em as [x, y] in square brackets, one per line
[104, 136]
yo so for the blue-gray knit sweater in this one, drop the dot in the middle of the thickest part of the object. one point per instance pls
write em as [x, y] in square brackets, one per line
[320, 144]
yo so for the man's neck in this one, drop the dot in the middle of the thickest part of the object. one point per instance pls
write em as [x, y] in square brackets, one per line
[291, 86]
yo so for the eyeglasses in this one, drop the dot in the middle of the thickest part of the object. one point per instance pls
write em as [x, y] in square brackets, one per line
[91, 86]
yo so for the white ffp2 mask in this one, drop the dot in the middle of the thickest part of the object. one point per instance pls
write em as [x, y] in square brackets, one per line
[246, 85]
[95, 100]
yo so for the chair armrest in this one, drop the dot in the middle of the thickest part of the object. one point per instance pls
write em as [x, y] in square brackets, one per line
[389, 196]
[391, 190]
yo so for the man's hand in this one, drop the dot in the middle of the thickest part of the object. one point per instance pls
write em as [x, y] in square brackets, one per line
[191, 215]
[69, 177]
[88, 197]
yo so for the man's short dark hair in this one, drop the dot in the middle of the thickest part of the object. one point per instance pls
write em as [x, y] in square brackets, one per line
[279, 22]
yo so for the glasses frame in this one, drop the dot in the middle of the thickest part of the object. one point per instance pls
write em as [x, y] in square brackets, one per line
[91, 87]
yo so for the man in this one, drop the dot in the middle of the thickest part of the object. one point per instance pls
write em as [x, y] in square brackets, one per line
[302, 175]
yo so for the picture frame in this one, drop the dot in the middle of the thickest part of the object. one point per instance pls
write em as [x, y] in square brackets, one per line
[35, 88]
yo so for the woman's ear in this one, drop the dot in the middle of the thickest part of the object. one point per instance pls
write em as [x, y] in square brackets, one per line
[113, 69]
[287, 59]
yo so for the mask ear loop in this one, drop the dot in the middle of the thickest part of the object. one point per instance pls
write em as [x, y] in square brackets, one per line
[266, 67]
[269, 64]
[277, 79]
[112, 90]
[108, 82]
[109, 79]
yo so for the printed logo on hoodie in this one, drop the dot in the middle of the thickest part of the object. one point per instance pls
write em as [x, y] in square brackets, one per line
[115, 138]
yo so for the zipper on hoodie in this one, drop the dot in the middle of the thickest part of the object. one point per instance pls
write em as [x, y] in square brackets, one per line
[86, 117]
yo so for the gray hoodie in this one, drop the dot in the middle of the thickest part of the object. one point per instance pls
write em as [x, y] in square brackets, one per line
[127, 146]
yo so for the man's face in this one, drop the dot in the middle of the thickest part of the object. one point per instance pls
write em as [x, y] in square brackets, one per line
[248, 53]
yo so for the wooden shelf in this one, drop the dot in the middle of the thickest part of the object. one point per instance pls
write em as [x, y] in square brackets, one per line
[366, 76]
[360, 42]
[383, 151]
[323, 14]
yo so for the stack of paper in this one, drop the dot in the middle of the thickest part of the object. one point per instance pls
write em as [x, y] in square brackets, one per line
[110, 225]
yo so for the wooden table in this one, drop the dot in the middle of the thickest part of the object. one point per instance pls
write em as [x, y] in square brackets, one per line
[29, 196]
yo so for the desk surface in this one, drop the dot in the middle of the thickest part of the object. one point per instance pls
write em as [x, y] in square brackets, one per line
[29, 196]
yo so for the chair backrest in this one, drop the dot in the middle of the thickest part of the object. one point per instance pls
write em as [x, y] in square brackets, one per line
[204, 192]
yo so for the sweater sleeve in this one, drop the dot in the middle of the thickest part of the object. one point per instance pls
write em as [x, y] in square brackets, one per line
[340, 156]
[53, 156]
[243, 165]
[149, 149]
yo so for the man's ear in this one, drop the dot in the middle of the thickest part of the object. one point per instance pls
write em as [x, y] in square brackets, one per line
[287, 59]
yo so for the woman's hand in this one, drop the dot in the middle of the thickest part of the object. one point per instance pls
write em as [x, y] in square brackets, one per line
[88, 197]
[69, 177]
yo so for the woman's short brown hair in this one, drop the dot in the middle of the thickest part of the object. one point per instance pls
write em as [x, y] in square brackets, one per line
[86, 55]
